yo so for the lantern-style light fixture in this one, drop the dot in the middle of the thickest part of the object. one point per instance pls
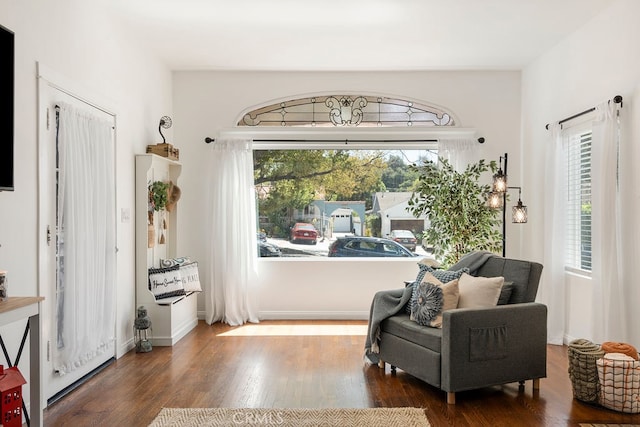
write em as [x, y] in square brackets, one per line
[142, 331]
[519, 212]
[497, 200]
[500, 177]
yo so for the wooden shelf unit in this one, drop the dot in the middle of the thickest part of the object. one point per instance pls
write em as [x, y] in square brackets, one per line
[171, 318]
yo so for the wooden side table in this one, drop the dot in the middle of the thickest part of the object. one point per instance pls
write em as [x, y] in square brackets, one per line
[13, 310]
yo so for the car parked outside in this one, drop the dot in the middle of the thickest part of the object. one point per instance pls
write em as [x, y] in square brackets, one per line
[357, 246]
[303, 232]
[405, 237]
[268, 249]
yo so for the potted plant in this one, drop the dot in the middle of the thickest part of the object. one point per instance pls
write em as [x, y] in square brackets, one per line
[455, 203]
[158, 195]
[158, 198]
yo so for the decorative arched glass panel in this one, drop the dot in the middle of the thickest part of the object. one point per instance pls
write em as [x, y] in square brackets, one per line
[347, 111]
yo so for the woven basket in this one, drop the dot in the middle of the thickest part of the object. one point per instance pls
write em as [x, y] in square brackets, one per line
[619, 377]
[583, 371]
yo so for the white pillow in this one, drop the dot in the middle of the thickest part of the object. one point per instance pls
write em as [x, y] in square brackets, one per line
[190, 277]
[165, 282]
[479, 291]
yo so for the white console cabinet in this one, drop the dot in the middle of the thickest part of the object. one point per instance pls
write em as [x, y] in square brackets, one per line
[172, 318]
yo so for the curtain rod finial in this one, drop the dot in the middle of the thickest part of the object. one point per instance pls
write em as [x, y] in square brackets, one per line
[481, 140]
[209, 140]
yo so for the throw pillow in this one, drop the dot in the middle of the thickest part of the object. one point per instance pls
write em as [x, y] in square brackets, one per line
[428, 303]
[165, 282]
[172, 262]
[422, 270]
[450, 295]
[479, 291]
[190, 277]
[444, 276]
[505, 293]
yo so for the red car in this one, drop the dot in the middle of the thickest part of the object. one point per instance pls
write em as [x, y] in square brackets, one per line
[303, 232]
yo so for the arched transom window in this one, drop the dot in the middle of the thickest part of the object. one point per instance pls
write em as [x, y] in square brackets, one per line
[347, 111]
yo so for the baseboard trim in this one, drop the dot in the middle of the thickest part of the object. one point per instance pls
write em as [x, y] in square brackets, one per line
[313, 315]
[169, 341]
[126, 347]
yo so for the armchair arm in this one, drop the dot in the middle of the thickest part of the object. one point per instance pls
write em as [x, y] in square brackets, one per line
[495, 345]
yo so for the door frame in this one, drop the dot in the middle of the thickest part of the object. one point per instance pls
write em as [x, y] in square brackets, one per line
[47, 81]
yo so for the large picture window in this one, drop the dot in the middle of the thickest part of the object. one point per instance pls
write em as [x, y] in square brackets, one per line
[342, 178]
[308, 199]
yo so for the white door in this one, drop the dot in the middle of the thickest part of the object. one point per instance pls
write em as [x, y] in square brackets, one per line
[51, 260]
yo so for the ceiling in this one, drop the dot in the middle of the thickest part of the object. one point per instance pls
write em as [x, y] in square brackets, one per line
[351, 35]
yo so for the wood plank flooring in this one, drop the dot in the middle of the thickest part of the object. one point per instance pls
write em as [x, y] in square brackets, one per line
[304, 364]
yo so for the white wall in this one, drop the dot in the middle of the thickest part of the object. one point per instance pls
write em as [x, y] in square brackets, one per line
[206, 102]
[594, 64]
[71, 38]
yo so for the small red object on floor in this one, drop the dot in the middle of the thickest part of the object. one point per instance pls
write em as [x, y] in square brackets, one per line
[11, 382]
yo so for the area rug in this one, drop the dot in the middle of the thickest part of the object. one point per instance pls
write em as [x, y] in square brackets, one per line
[236, 417]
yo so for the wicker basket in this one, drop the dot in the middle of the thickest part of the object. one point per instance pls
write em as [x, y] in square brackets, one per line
[619, 378]
[583, 371]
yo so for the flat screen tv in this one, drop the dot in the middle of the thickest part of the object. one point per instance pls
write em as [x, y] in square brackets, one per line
[7, 78]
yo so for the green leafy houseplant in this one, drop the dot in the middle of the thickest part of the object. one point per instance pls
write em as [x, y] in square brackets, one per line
[455, 203]
[158, 195]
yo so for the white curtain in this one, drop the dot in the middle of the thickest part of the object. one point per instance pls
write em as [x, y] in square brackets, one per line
[459, 152]
[608, 278]
[552, 286]
[230, 295]
[86, 242]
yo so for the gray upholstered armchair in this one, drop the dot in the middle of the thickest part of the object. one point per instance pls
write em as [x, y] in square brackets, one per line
[476, 347]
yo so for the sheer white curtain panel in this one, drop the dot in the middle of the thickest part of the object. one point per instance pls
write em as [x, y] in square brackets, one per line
[459, 152]
[86, 239]
[609, 321]
[230, 294]
[552, 286]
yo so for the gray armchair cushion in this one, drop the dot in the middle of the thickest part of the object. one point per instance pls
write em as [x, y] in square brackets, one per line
[401, 325]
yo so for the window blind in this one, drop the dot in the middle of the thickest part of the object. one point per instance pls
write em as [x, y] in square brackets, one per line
[578, 215]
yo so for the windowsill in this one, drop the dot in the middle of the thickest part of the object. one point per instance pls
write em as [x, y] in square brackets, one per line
[341, 259]
[578, 273]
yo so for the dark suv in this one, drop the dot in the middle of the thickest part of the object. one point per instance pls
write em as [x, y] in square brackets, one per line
[356, 246]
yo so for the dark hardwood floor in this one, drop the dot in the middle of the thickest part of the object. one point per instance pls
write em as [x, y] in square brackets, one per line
[304, 364]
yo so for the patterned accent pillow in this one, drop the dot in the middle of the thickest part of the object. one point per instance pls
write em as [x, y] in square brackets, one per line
[444, 276]
[422, 270]
[165, 282]
[172, 262]
[428, 303]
